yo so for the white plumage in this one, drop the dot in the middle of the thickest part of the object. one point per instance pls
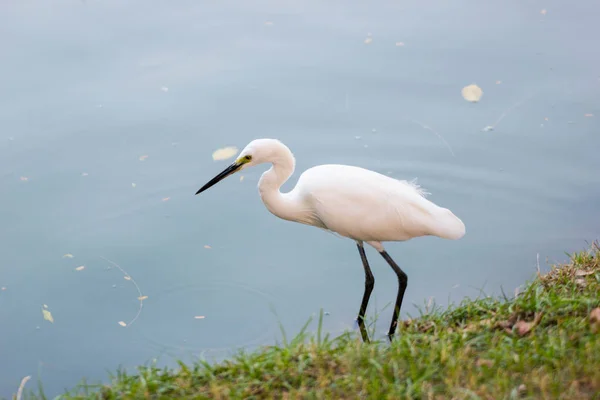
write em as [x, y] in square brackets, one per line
[353, 202]
[368, 206]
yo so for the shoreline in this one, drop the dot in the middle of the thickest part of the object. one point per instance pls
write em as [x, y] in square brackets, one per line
[542, 343]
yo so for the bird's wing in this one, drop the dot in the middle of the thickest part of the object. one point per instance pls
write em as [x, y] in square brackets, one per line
[365, 205]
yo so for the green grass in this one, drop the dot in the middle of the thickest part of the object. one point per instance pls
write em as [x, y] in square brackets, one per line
[542, 344]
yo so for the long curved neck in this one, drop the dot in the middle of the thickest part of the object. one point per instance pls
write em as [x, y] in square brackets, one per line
[283, 205]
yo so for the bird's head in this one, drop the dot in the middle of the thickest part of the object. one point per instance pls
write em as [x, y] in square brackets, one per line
[256, 152]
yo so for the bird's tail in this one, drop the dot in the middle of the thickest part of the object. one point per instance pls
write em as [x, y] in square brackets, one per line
[448, 225]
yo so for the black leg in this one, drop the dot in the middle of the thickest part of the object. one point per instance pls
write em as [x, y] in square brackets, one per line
[402, 283]
[369, 283]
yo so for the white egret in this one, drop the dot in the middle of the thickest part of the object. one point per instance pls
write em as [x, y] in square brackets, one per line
[353, 202]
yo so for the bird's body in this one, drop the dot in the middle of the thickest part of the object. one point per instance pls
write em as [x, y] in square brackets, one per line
[353, 202]
[364, 205]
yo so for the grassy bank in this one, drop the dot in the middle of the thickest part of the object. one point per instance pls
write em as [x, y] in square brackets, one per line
[542, 344]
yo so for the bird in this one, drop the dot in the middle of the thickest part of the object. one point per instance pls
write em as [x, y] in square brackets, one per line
[353, 202]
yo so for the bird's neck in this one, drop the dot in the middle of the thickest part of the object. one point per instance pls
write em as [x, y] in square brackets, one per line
[280, 204]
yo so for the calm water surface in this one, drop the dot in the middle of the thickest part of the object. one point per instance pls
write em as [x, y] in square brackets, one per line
[89, 87]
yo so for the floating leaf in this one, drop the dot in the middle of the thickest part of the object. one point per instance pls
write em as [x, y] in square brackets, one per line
[47, 314]
[122, 323]
[127, 277]
[472, 93]
[142, 158]
[207, 246]
[142, 298]
[199, 317]
[68, 255]
[80, 268]
[224, 153]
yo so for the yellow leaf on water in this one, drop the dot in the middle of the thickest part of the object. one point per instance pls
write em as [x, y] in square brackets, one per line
[47, 315]
[199, 317]
[142, 298]
[127, 277]
[68, 255]
[224, 153]
[80, 268]
[142, 158]
[122, 323]
[207, 246]
[472, 93]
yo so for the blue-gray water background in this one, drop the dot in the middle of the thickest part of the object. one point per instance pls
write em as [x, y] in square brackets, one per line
[89, 87]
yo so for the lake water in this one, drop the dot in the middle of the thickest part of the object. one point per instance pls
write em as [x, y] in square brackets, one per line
[111, 110]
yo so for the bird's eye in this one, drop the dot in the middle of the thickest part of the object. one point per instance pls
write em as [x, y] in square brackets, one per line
[248, 157]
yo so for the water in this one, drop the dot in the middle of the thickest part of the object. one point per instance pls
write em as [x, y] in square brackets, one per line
[89, 87]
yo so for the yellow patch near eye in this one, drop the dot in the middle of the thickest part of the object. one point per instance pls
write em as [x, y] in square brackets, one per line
[243, 160]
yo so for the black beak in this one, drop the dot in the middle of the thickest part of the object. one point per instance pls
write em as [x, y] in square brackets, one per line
[226, 172]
